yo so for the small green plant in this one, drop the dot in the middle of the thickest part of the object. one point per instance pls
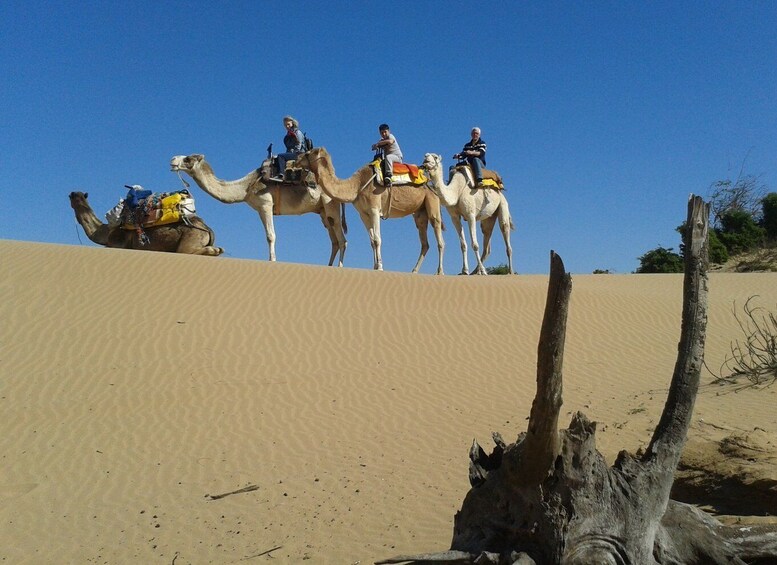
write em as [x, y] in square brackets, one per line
[754, 358]
[498, 270]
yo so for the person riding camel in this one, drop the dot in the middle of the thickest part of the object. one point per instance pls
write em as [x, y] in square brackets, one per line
[387, 144]
[294, 141]
[474, 153]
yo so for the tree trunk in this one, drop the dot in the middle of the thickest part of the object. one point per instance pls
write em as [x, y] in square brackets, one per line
[550, 498]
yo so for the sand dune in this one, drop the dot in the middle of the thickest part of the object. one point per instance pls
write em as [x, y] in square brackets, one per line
[137, 386]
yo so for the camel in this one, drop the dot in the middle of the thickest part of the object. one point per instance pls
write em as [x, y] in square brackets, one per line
[484, 205]
[374, 201]
[193, 237]
[269, 199]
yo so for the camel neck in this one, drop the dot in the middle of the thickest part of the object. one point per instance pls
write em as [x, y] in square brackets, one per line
[225, 191]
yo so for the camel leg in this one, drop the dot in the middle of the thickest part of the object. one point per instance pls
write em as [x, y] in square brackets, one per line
[473, 236]
[371, 221]
[209, 250]
[421, 219]
[505, 225]
[331, 217]
[487, 227]
[195, 241]
[435, 218]
[332, 237]
[265, 214]
[456, 219]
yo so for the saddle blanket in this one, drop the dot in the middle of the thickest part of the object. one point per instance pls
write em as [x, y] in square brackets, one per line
[158, 210]
[491, 179]
[403, 173]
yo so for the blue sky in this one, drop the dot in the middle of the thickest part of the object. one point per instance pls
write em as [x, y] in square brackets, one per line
[601, 116]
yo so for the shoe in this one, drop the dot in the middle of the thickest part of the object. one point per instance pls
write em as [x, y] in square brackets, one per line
[387, 182]
[479, 182]
[278, 178]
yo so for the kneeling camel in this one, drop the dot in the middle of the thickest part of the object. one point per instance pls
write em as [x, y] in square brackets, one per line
[193, 237]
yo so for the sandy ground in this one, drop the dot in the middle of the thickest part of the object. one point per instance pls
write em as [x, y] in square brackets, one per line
[136, 387]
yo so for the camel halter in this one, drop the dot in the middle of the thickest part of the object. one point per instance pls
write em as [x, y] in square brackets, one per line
[185, 184]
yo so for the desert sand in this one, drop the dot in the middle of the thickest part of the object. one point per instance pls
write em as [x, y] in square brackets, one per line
[137, 388]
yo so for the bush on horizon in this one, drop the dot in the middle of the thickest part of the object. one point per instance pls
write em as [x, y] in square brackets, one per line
[660, 260]
[739, 232]
[769, 204]
[501, 269]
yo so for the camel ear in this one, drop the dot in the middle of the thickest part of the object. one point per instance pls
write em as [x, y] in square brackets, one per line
[86, 195]
[198, 156]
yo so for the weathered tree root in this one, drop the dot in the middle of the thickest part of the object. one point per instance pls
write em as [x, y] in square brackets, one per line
[550, 497]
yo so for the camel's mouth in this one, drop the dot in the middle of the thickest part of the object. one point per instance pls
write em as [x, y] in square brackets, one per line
[176, 163]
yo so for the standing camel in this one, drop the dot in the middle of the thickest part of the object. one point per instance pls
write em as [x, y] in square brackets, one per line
[484, 205]
[193, 236]
[283, 200]
[374, 201]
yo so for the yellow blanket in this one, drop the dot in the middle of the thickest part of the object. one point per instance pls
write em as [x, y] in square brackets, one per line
[406, 175]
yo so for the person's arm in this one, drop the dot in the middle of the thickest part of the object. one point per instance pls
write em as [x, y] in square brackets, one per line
[382, 143]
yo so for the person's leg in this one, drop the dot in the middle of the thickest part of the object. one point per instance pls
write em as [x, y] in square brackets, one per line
[282, 158]
[388, 171]
[477, 169]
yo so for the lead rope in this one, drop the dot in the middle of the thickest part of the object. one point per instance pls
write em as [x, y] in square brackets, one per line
[186, 184]
[78, 233]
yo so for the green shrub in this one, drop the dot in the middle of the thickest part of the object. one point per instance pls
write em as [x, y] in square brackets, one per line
[498, 270]
[660, 260]
[769, 204]
[739, 232]
[718, 251]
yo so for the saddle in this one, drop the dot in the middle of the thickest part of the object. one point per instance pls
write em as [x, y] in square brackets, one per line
[403, 173]
[156, 210]
[491, 179]
[292, 174]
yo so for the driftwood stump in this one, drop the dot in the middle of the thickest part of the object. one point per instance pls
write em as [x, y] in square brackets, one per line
[551, 498]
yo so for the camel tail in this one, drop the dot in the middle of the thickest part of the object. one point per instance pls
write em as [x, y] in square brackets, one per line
[342, 216]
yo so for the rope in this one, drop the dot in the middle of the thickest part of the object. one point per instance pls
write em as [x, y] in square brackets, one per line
[78, 233]
[186, 184]
[369, 181]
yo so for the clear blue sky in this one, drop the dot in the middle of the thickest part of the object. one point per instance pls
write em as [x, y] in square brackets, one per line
[601, 116]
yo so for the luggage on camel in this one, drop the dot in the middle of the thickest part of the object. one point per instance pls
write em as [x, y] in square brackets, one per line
[144, 209]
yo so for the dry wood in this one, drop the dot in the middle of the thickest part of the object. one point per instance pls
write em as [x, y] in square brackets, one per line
[249, 488]
[550, 497]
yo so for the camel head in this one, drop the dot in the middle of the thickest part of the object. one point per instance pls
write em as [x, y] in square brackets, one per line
[432, 162]
[186, 163]
[78, 200]
[310, 160]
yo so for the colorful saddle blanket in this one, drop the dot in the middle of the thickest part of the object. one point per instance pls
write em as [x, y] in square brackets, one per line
[158, 210]
[403, 173]
[491, 179]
